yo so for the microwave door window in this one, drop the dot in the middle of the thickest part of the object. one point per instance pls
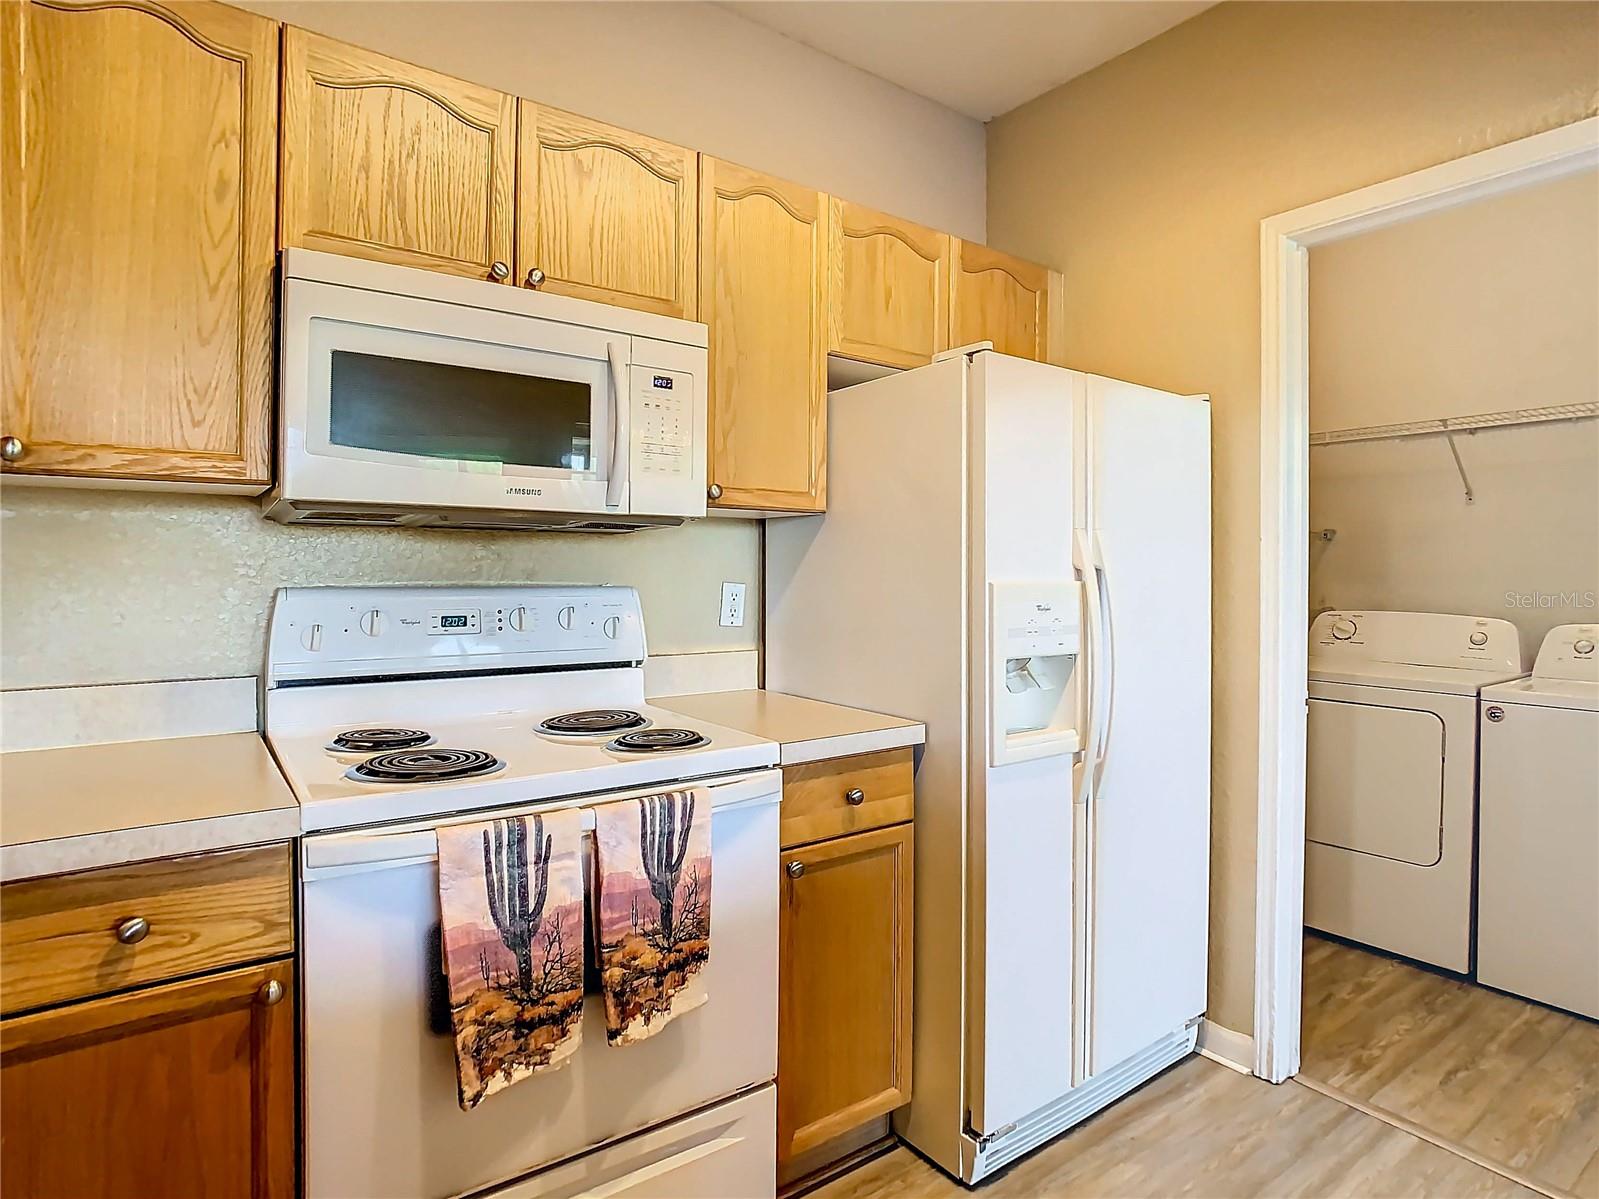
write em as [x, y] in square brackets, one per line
[459, 413]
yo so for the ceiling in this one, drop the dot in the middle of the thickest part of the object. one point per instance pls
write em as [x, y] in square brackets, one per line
[979, 57]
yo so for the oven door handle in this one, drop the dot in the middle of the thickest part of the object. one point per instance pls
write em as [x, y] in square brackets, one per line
[621, 433]
[349, 853]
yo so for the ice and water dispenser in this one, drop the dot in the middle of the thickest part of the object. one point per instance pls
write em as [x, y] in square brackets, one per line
[1036, 638]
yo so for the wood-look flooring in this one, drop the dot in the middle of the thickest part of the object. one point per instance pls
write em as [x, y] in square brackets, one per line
[1513, 1081]
[1203, 1131]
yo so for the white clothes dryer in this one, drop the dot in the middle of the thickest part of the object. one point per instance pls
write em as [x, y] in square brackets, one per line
[1391, 773]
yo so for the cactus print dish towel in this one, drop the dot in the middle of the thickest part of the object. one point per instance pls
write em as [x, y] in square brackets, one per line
[511, 903]
[652, 909]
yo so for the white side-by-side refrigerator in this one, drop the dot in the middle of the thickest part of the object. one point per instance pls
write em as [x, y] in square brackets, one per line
[1019, 556]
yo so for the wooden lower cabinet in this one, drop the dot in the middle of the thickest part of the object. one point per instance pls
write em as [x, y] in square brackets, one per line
[844, 993]
[185, 1089]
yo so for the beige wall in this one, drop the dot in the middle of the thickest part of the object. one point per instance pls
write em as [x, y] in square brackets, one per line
[1482, 308]
[104, 586]
[695, 74]
[1146, 181]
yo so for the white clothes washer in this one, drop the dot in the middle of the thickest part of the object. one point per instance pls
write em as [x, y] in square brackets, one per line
[1391, 774]
[1538, 855]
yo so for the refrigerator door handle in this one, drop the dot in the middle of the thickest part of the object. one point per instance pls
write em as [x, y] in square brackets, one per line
[1094, 643]
[1104, 678]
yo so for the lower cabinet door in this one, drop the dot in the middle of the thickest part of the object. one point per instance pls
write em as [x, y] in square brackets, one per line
[184, 1090]
[844, 992]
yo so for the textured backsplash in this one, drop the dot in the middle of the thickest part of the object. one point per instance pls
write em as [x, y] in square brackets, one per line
[117, 586]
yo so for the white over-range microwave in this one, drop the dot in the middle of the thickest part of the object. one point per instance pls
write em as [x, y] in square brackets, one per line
[416, 399]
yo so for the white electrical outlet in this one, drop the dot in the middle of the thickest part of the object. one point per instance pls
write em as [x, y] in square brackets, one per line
[733, 605]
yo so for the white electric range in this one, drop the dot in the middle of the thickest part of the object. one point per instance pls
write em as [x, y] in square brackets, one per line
[395, 710]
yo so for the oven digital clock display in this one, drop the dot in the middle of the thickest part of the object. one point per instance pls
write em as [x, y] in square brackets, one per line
[458, 620]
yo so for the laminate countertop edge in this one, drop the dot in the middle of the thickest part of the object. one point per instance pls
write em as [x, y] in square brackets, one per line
[88, 851]
[808, 730]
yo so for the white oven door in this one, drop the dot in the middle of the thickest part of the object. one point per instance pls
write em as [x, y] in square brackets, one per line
[391, 399]
[381, 1115]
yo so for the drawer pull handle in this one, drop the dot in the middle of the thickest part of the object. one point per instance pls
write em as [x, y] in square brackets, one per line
[855, 797]
[796, 869]
[270, 993]
[133, 930]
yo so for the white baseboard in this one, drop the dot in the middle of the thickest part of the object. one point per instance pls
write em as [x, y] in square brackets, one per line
[1235, 1050]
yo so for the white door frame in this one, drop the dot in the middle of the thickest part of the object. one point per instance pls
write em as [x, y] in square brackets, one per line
[1285, 242]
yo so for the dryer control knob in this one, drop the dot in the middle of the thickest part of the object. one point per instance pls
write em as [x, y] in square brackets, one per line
[1583, 647]
[1343, 630]
[1479, 638]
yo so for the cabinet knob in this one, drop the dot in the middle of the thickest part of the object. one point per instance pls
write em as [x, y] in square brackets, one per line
[855, 797]
[499, 272]
[270, 993]
[133, 930]
[534, 276]
[714, 491]
[11, 448]
[796, 869]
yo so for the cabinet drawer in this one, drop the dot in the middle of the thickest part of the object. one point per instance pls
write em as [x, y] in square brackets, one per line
[817, 795]
[63, 938]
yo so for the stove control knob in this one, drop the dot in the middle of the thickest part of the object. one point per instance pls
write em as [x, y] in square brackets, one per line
[311, 637]
[1343, 630]
[1583, 647]
[518, 619]
[372, 623]
[1479, 638]
[612, 626]
[565, 616]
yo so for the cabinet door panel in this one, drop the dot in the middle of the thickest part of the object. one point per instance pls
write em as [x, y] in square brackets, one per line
[137, 210]
[888, 287]
[185, 1089]
[389, 161]
[606, 214]
[844, 995]
[998, 298]
[763, 291]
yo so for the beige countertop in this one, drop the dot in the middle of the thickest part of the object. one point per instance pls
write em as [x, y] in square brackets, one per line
[98, 805]
[807, 729]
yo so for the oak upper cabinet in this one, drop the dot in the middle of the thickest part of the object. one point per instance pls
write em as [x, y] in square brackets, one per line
[183, 1089]
[607, 215]
[138, 191]
[995, 297]
[888, 287]
[763, 293]
[389, 161]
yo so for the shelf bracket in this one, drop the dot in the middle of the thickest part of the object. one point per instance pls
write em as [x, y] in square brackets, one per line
[1471, 496]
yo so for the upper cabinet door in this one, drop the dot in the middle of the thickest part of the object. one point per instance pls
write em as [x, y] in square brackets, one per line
[137, 202]
[385, 160]
[889, 287]
[995, 297]
[607, 215]
[763, 292]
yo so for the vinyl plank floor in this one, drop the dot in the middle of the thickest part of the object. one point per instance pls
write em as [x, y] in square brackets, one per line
[1511, 1080]
[1202, 1131]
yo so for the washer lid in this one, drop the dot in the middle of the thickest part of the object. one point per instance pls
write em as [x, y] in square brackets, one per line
[1566, 674]
[1438, 680]
[1545, 693]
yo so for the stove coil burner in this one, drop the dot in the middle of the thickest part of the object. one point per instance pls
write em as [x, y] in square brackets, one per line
[372, 740]
[594, 722]
[657, 741]
[425, 766]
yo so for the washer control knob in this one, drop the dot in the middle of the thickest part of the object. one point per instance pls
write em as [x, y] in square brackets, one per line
[1343, 630]
[311, 637]
[1583, 647]
[565, 616]
[518, 619]
[1479, 638]
[612, 626]
[372, 623]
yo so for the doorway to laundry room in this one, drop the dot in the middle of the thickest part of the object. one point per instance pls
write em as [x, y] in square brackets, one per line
[1451, 944]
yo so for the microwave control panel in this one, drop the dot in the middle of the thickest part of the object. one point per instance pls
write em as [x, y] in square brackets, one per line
[663, 425]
